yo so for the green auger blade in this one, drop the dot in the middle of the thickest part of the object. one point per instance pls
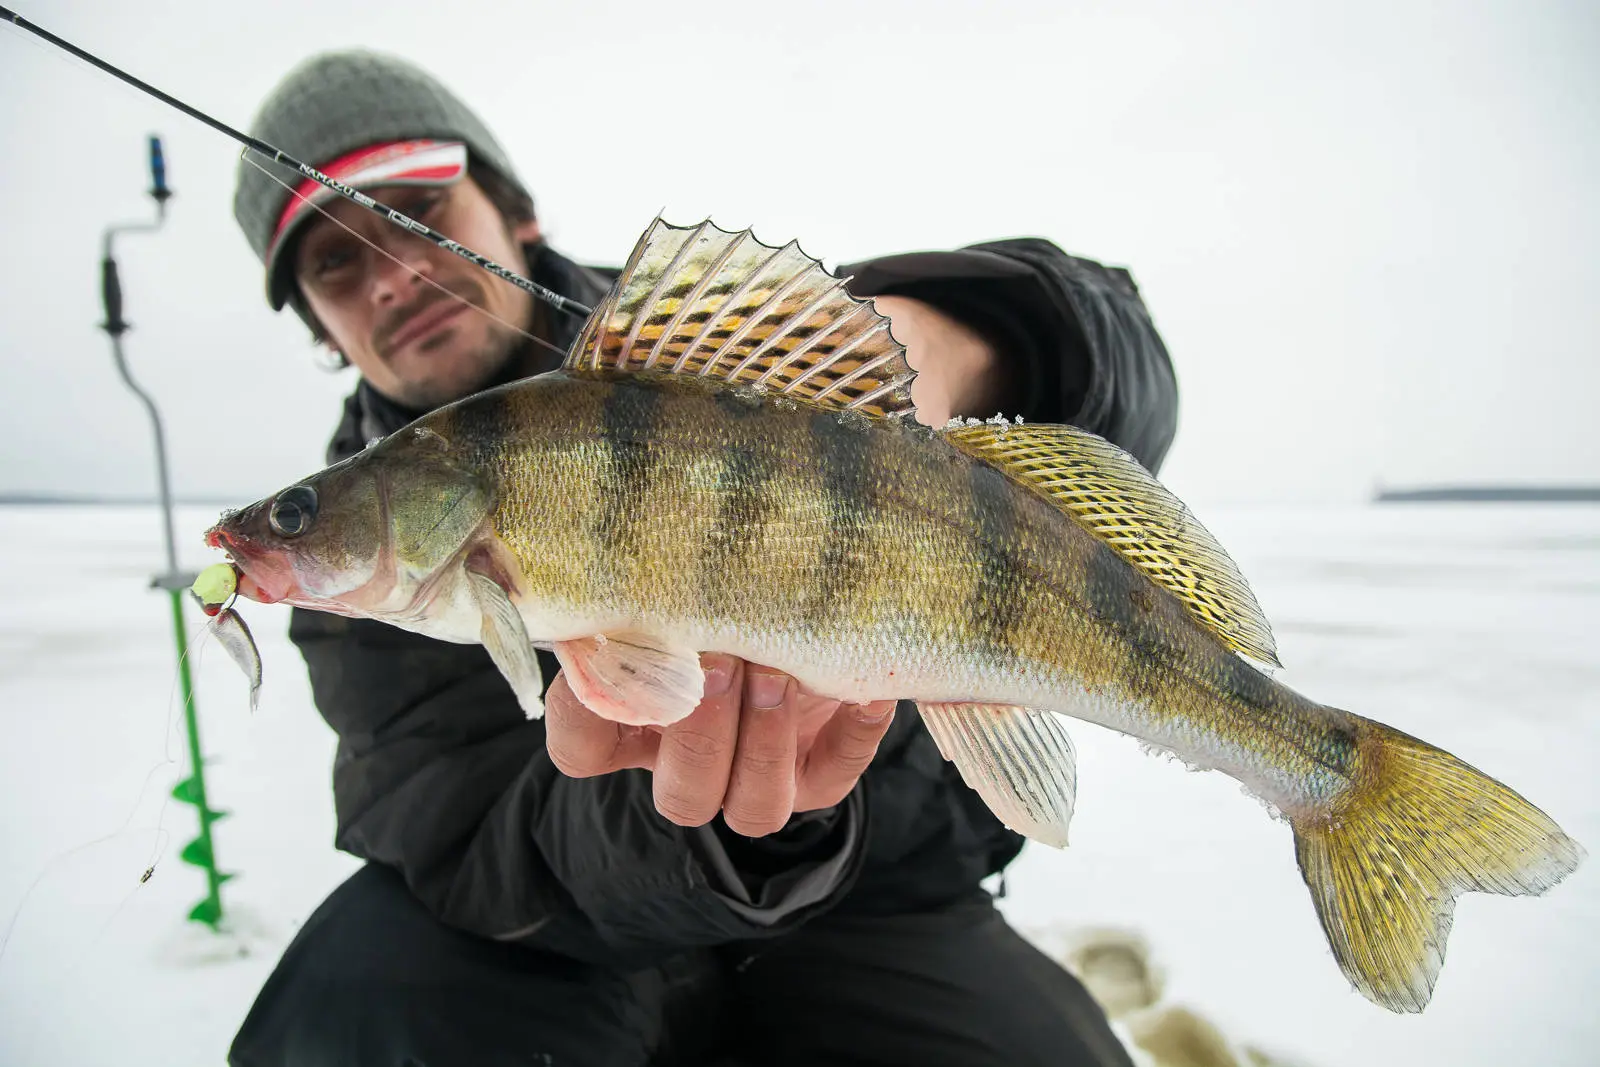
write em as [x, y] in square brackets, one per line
[198, 853]
[208, 911]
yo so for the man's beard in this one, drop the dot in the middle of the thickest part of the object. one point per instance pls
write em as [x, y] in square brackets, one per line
[507, 355]
[522, 356]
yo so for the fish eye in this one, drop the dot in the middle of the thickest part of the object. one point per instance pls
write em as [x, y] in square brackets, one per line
[294, 511]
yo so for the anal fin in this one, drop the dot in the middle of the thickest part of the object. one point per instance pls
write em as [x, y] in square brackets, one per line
[506, 639]
[1020, 761]
[632, 677]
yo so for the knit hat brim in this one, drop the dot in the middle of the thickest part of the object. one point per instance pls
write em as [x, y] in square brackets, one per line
[422, 162]
[335, 104]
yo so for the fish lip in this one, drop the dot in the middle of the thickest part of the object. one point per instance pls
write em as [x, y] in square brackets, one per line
[234, 544]
[244, 556]
[425, 322]
[251, 589]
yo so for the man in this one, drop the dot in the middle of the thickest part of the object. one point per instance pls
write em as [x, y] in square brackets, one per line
[732, 889]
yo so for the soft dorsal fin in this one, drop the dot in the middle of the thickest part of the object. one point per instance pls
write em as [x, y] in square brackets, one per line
[1112, 496]
[700, 301]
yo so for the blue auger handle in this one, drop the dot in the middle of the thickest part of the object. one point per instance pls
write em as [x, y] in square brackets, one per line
[158, 171]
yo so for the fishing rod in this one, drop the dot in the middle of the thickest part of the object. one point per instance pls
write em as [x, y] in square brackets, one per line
[275, 155]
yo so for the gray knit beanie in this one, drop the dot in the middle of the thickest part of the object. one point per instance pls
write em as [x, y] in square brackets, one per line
[331, 105]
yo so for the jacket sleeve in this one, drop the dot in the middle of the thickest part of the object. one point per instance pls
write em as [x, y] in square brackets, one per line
[440, 775]
[1079, 339]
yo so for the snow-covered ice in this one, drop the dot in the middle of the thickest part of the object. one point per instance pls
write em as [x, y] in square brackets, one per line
[1473, 627]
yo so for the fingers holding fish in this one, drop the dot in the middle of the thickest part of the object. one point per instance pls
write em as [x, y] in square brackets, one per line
[757, 748]
[583, 745]
[841, 753]
[695, 759]
[761, 788]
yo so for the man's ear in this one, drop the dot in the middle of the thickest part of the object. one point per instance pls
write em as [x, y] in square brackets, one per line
[330, 358]
[527, 232]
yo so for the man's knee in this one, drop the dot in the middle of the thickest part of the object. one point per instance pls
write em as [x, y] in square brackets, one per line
[373, 978]
[955, 985]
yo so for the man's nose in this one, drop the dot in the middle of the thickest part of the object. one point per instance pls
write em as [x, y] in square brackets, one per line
[401, 263]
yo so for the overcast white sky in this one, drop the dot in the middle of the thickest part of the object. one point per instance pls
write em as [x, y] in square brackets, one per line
[1367, 231]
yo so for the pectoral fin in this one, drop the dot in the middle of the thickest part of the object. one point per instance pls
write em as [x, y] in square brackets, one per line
[632, 678]
[507, 641]
[1019, 760]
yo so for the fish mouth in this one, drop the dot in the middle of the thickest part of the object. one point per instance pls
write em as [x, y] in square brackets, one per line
[262, 578]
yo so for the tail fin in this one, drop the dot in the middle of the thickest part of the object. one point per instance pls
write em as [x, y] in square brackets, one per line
[1419, 828]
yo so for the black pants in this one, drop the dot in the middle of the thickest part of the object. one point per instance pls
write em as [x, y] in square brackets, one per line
[372, 980]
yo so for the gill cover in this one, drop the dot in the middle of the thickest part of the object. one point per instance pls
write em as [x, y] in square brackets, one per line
[433, 504]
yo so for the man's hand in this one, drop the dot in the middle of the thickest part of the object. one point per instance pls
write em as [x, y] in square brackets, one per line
[958, 372]
[755, 749]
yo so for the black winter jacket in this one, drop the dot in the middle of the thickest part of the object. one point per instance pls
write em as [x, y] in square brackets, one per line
[440, 775]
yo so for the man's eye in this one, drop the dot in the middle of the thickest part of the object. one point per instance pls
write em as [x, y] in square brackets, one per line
[331, 260]
[425, 204]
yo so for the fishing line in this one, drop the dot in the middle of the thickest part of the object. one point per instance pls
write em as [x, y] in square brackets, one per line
[162, 835]
[275, 155]
[396, 260]
[45, 985]
[161, 838]
[254, 147]
[159, 830]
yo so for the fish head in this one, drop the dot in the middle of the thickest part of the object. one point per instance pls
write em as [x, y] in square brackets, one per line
[365, 537]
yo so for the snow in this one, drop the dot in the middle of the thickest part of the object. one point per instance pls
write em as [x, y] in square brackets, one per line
[1469, 626]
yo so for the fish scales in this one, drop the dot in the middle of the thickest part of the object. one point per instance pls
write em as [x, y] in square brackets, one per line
[890, 546]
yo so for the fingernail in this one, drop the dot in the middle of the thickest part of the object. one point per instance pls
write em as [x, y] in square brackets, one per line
[719, 674]
[766, 690]
[867, 714]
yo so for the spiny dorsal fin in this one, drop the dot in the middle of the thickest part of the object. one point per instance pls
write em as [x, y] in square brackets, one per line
[700, 301]
[1112, 496]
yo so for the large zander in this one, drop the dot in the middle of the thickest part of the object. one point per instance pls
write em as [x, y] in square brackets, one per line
[725, 463]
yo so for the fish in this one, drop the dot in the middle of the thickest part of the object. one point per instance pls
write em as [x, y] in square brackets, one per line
[213, 591]
[728, 461]
[231, 632]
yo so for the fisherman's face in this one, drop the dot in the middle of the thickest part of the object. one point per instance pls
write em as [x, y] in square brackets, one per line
[413, 343]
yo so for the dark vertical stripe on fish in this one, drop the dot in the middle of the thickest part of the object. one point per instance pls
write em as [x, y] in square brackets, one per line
[996, 600]
[744, 505]
[843, 458]
[1248, 685]
[1340, 748]
[1324, 736]
[1110, 589]
[1119, 599]
[484, 425]
[628, 419]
